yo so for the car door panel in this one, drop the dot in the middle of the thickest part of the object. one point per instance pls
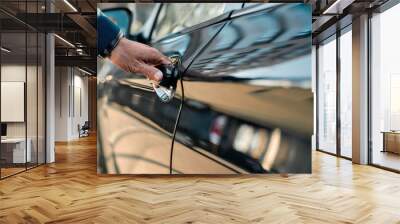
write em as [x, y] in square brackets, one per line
[131, 154]
[248, 98]
[205, 162]
[138, 127]
[243, 110]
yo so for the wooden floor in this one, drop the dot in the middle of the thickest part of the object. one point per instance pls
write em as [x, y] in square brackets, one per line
[10, 171]
[387, 159]
[69, 191]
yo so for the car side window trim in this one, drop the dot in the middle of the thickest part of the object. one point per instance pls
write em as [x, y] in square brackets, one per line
[254, 8]
[219, 19]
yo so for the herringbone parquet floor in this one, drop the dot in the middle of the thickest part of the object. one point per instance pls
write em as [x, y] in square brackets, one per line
[69, 191]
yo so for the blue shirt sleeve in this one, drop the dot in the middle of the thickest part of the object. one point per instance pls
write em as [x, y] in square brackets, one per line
[108, 34]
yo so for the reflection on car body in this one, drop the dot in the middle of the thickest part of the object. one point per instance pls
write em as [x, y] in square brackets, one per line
[243, 105]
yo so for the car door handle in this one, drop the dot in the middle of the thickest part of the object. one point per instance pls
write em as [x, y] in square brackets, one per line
[165, 90]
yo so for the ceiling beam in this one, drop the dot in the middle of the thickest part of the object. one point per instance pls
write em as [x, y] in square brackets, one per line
[337, 7]
[89, 30]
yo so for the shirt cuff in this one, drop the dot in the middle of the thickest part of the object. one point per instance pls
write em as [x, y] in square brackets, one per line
[108, 35]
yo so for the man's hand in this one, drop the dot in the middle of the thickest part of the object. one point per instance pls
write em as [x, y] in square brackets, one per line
[135, 57]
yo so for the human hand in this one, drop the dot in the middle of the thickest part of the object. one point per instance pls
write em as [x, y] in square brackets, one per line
[135, 57]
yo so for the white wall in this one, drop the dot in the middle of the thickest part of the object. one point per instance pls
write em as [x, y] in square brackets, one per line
[15, 73]
[71, 94]
[33, 126]
[62, 81]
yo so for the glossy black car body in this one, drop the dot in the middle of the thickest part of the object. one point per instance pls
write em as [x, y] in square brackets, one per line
[243, 102]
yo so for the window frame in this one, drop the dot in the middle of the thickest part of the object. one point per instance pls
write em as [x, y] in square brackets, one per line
[381, 9]
[332, 36]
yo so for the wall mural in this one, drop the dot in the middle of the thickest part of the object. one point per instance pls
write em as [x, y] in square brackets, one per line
[235, 98]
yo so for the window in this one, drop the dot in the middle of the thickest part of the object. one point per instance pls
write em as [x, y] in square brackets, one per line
[346, 93]
[190, 14]
[327, 96]
[141, 15]
[22, 88]
[385, 89]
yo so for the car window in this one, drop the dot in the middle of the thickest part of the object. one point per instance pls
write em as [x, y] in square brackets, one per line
[120, 16]
[142, 13]
[175, 17]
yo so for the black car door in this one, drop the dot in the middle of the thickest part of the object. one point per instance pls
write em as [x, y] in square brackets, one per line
[188, 43]
[247, 100]
[136, 125]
